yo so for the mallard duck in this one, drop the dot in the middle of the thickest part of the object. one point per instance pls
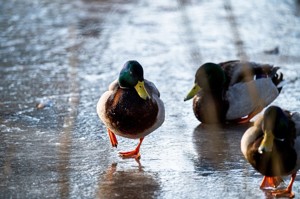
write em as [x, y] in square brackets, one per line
[233, 91]
[131, 107]
[272, 147]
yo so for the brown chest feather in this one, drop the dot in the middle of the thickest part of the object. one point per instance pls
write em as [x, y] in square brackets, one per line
[129, 113]
[281, 161]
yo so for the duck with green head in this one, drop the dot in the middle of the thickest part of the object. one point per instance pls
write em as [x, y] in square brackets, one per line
[131, 107]
[272, 147]
[233, 91]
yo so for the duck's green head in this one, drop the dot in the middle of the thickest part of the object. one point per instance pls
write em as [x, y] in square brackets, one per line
[275, 125]
[132, 76]
[209, 77]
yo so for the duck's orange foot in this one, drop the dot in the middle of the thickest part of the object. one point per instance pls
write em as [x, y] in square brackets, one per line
[130, 154]
[283, 193]
[270, 182]
[133, 154]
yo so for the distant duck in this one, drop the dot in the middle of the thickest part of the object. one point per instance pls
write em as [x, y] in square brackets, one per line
[131, 107]
[272, 147]
[233, 91]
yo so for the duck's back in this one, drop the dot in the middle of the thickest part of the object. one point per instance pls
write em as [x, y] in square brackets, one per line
[243, 71]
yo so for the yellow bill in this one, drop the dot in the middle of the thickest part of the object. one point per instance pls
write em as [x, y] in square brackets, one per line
[193, 92]
[141, 90]
[267, 143]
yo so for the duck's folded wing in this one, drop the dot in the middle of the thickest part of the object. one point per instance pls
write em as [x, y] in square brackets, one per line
[151, 88]
[246, 97]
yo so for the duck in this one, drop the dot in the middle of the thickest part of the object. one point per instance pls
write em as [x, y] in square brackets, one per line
[233, 91]
[272, 147]
[131, 107]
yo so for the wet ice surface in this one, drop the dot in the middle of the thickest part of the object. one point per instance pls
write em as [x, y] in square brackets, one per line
[64, 55]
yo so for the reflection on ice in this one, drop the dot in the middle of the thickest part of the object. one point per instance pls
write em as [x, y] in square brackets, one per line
[127, 184]
[218, 147]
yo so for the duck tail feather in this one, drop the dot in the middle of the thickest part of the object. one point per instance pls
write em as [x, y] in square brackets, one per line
[277, 78]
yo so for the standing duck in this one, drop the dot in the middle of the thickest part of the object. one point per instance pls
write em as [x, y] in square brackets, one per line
[272, 147]
[233, 91]
[131, 107]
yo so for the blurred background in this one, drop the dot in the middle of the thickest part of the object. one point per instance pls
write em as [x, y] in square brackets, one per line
[58, 57]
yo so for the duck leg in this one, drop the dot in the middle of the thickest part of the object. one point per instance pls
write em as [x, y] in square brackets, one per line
[133, 154]
[268, 182]
[286, 192]
[112, 138]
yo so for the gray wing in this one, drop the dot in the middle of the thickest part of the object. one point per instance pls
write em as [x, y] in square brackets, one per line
[151, 88]
[245, 97]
